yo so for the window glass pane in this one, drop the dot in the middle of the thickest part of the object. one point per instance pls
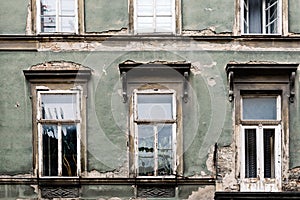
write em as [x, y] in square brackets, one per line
[250, 153]
[50, 150]
[67, 7]
[260, 108]
[271, 16]
[164, 7]
[255, 16]
[146, 150]
[269, 159]
[69, 150]
[48, 7]
[67, 24]
[145, 24]
[48, 24]
[59, 106]
[154, 107]
[165, 151]
[164, 24]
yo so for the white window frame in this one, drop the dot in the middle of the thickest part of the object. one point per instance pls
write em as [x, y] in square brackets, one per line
[59, 123]
[172, 122]
[57, 16]
[154, 26]
[279, 19]
[260, 183]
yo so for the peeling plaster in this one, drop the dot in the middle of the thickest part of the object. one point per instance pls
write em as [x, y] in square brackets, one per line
[203, 193]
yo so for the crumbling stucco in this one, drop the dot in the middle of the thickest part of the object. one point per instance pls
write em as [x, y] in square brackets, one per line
[203, 193]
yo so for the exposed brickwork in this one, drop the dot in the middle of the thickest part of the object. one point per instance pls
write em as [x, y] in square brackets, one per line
[293, 182]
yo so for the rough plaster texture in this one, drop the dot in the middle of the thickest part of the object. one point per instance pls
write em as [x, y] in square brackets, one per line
[294, 12]
[13, 16]
[106, 15]
[216, 20]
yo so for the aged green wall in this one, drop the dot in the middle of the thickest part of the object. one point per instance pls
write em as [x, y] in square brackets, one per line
[107, 114]
[203, 14]
[294, 12]
[106, 15]
[13, 15]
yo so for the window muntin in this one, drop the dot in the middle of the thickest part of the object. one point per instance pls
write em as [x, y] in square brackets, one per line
[59, 133]
[154, 16]
[57, 16]
[261, 16]
[155, 133]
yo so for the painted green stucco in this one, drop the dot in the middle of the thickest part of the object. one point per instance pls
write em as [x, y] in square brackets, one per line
[13, 15]
[202, 14]
[294, 12]
[107, 114]
[106, 15]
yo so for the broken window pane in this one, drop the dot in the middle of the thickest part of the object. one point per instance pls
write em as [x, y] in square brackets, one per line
[69, 150]
[165, 151]
[50, 150]
[260, 108]
[146, 150]
[59, 106]
[250, 153]
[154, 107]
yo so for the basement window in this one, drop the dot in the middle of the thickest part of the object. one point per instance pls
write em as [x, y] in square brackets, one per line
[57, 16]
[154, 16]
[59, 124]
[261, 16]
[155, 127]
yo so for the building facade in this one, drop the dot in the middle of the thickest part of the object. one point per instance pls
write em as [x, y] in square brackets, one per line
[149, 99]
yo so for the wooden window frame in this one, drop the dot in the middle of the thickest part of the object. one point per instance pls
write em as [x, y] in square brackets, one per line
[172, 122]
[262, 79]
[176, 19]
[79, 18]
[59, 123]
[281, 8]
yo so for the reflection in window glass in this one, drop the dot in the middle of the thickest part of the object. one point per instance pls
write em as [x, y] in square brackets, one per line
[58, 106]
[58, 16]
[259, 108]
[50, 150]
[154, 107]
[165, 150]
[69, 150]
[146, 150]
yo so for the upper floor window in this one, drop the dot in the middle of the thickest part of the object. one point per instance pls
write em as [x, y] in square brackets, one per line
[59, 118]
[261, 16]
[155, 132]
[261, 94]
[54, 16]
[260, 141]
[154, 16]
[59, 124]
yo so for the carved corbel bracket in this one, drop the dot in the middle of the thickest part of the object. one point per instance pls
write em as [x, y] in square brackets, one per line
[292, 87]
[124, 86]
[185, 87]
[230, 82]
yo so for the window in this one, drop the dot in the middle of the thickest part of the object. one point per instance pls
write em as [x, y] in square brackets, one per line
[261, 16]
[55, 16]
[155, 132]
[59, 123]
[154, 16]
[260, 140]
[261, 93]
[58, 90]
